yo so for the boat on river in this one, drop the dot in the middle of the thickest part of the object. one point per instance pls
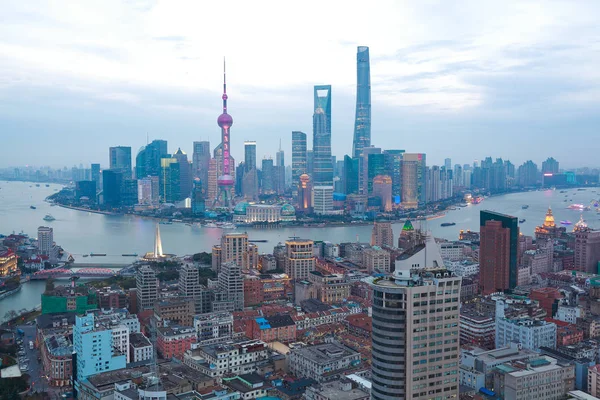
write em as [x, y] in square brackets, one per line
[49, 217]
[448, 224]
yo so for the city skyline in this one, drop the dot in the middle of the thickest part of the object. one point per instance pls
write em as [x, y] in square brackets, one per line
[495, 75]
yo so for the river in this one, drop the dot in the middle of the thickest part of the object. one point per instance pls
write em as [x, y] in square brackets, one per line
[83, 232]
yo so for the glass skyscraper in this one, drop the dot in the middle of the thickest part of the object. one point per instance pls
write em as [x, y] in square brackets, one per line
[322, 167]
[249, 155]
[362, 125]
[147, 161]
[120, 160]
[298, 156]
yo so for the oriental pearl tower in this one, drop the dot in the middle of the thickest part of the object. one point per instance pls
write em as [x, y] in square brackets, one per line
[225, 180]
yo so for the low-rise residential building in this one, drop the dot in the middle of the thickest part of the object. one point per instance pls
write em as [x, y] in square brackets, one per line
[543, 378]
[322, 362]
[177, 310]
[235, 357]
[569, 313]
[213, 327]
[463, 268]
[478, 324]
[274, 328]
[451, 251]
[109, 298]
[593, 380]
[330, 288]
[174, 341]
[531, 333]
[250, 386]
[140, 348]
[336, 390]
[376, 259]
[359, 325]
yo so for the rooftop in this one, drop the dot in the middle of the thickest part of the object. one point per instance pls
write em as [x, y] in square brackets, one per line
[139, 340]
[324, 353]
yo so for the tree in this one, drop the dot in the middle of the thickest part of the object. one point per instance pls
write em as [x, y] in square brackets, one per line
[10, 315]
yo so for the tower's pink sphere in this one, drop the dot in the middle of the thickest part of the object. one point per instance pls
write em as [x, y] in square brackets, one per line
[225, 120]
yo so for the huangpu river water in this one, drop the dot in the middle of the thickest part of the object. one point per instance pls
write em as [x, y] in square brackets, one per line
[81, 232]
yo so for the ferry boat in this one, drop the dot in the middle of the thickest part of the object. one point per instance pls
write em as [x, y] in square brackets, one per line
[129, 255]
[565, 222]
[228, 225]
[166, 223]
[49, 217]
[525, 206]
[33, 207]
[97, 255]
[210, 225]
[37, 185]
[86, 255]
[448, 224]
[522, 220]
[47, 185]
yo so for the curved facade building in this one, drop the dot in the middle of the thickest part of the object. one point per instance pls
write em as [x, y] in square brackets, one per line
[415, 340]
[362, 124]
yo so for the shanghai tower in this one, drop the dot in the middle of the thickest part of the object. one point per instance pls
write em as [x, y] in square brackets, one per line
[362, 124]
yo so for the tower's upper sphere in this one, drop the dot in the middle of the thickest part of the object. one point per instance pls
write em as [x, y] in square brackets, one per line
[225, 120]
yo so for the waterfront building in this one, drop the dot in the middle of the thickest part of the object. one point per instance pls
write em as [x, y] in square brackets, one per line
[382, 188]
[250, 176]
[322, 200]
[94, 349]
[146, 285]
[268, 176]
[299, 258]
[362, 122]
[540, 378]
[174, 341]
[376, 259]
[497, 252]
[201, 160]
[322, 362]
[85, 191]
[226, 178]
[549, 229]
[305, 194]
[403, 350]
[527, 174]
[350, 176]
[235, 248]
[413, 180]
[231, 281]
[148, 191]
[170, 180]
[96, 175]
[147, 161]
[382, 234]
[112, 182]
[120, 160]
[8, 262]
[263, 213]
[322, 168]
[377, 164]
[298, 155]
[587, 248]
[185, 174]
[45, 243]
[198, 198]
[550, 166]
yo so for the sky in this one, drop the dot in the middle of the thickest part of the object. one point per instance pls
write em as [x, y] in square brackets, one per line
[460, 79]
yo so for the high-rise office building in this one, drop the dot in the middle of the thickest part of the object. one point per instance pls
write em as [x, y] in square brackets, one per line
[382, 234]
[408, 360]
[448, 163]
[201, 160]
[382, 188]
[310, 162]
[189, 281]
[350, 176]
[147, 161]
[112, 182]
[362, 124]
[268, 176]
[322, 199]
[250, 176]
[587, 248]
[146, 286]
[280, 170]
[198, 198]
[120, 160]
[148, 191]
[299, 258]
[497, 252]
[96, 175]
[304, 193]
[413, 180]
[376, 167]
[231, 281]
[185, 174]
[298, 155]
[393, 168]
[170, 180]
[363, 165]
[322, 167]
[45, 237]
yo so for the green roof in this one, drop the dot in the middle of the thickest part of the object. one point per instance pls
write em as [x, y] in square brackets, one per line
[408, 226]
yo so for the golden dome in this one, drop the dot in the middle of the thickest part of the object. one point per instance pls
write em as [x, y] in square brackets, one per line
[549, 221]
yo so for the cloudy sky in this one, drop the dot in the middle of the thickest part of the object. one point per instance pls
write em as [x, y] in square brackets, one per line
[460, 79]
